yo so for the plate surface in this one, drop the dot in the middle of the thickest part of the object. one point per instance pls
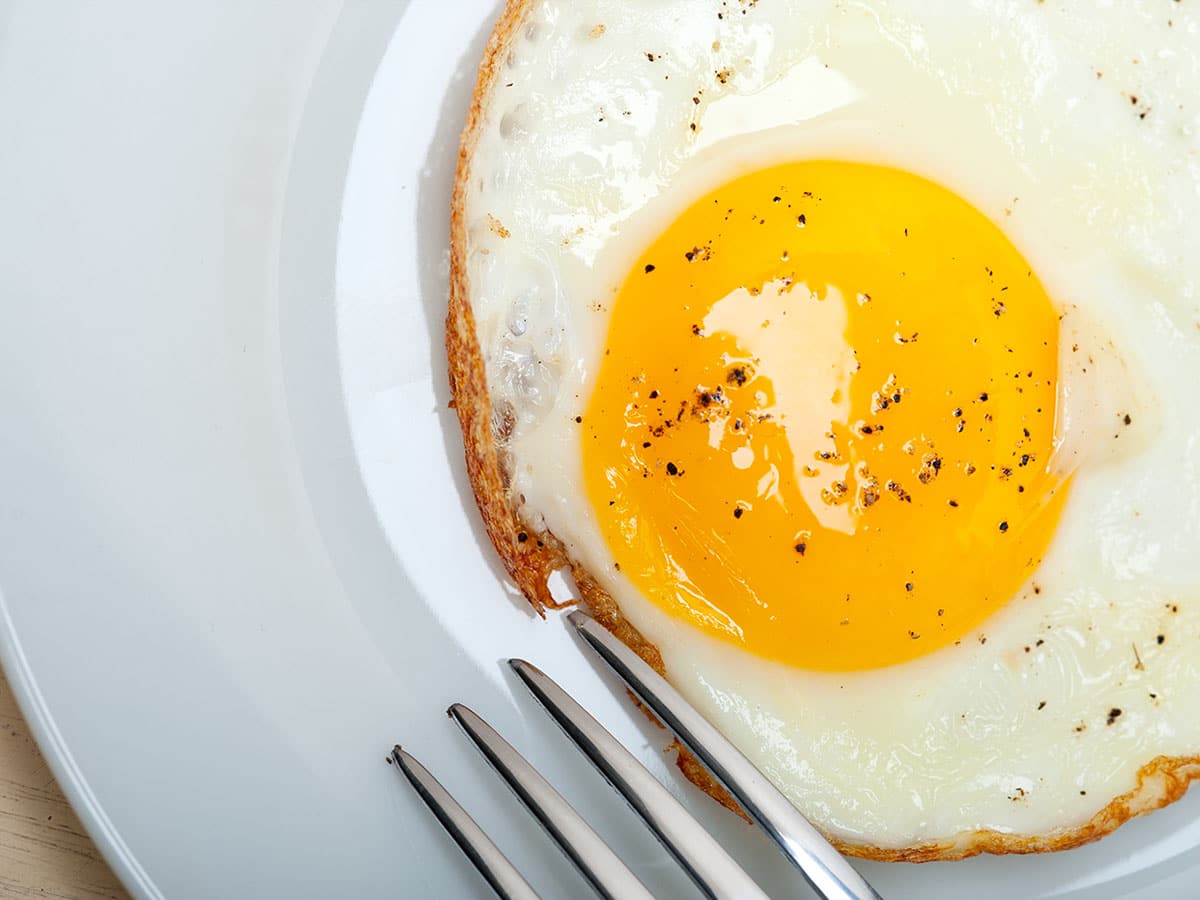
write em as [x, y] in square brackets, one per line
[238, 554]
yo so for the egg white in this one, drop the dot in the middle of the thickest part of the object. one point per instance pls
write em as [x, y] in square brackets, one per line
[1073, 126]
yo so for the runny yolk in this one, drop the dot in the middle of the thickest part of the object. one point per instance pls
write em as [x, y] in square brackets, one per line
[823, 426]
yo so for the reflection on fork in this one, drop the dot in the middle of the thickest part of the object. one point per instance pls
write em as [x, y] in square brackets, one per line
[712, 869]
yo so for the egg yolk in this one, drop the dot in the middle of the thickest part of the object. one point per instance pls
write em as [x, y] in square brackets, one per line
[823, 425]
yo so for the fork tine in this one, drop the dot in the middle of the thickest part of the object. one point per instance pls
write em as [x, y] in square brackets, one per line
[712, 869]
[492, 864]
[594, 859]
[829, 873]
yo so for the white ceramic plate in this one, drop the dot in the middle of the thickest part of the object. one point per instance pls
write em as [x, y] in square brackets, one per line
[238, 555]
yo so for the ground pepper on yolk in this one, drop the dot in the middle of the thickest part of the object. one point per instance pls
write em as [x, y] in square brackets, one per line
[823, 427]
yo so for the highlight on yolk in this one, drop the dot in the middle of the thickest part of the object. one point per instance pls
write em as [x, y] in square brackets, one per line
[823, 427]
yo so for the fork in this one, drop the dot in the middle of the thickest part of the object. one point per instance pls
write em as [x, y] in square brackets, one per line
[710, 867]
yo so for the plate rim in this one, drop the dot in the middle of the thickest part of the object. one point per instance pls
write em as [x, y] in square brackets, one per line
[67, 773]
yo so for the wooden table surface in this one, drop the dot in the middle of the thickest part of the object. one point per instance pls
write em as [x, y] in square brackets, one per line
[44, 851]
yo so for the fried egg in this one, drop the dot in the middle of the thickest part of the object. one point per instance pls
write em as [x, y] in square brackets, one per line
[853, 349]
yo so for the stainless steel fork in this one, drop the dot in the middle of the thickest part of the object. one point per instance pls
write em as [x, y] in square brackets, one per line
[712, 869]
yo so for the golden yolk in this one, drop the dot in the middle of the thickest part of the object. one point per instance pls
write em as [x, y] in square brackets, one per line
[823, 427]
